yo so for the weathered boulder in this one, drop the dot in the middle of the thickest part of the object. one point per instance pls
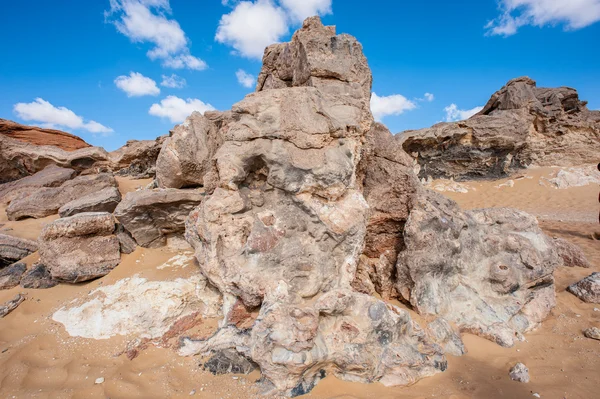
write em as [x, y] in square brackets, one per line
[488, 271]
[11, 275]
[51, 176]
[126, 241]
[283, 226]
[80, 247]
[105, 200]
[588, 289]
[13, 249]
[186, 154]
[152, 215]
[19, 159]
[48, 200]
[571, 254]
[521, 125]
[136, 159]
[592, 333]
[38, 277]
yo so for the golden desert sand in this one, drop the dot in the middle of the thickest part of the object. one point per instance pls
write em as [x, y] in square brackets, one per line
[38, 358]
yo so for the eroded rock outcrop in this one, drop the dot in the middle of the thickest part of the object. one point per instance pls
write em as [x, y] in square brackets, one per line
[51, 176]
[151, 216]
[80, 248]
[521, 125]
[284, 223]
[186, 155]
[137, 158]
[39, 136]
[489, 271]
[48, 200]
[19, 159]
[105, 200]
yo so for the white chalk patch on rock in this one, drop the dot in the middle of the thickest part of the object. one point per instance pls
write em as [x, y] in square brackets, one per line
[182, 260]
[138, 307]
[574, 177]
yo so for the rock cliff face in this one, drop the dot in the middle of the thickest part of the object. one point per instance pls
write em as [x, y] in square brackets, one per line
[521, 125]
[38, 136]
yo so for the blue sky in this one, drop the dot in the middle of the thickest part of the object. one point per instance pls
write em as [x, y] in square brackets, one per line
[80, 55]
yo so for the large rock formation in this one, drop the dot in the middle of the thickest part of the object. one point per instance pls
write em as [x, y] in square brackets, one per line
[521, 125]
[151, 216]
[185, 157]
[136, 159]
[48, 200]
[489, 271]
[284, 225]
[105, 200]
[80, 247]
[41, 137]
[19, 159]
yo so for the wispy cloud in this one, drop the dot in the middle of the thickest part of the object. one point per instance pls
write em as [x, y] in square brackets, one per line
[137, 85]
[245, 79]
[395, 104]
[42, 111]
[177, 109]
[146, 21]
[454, 114]
[574, 14]
[173, 81]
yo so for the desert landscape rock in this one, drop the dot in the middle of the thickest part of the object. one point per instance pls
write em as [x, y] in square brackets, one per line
[153, 215]
[186, 155]
[39, 136]
[19, 159]
[51, 176]
[443, 334]
[11, 275]
[105, 200]
[13, 249]
[11, 305]
[80, 248]
[520, 373]
[521, 125]
[592, 333]
[489, 271]
[588, 289]
[571, 255]
[37, 277]
[48, 200]
[137, 158]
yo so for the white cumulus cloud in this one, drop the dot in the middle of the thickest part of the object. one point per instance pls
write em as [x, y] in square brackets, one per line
[42, 111]
[395, 104]
[146, 21]
[575, 14]
[173, 81]
[252, 26]
[137, 85]
[454, 114]
[299, 10]
[245, 79]
[177, 109]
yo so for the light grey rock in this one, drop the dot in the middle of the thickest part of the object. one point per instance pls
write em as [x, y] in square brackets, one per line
[152, 215]
[105, 200]
[521, 125]
[588, 289]
[11, 305]
[51, 176]
[80, 248]
[519, 373]
[136, 159]
[11, 275]
[488, 271]
[126, 241]
[47, 200]
[13, 249]
[444, 335]
[593, 333]
[571, 254]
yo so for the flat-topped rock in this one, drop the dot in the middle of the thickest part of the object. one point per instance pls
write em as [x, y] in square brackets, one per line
[51, 176]
[13, 249]
[105, 200]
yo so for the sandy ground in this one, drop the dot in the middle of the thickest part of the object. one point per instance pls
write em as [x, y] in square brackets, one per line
[38, 359]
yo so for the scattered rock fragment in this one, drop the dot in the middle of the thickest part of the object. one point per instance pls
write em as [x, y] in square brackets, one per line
[38, 277]
[571, 255]
[593, 333]
[13, 249]
[588, 289]
[519, 373]
[11, 305]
